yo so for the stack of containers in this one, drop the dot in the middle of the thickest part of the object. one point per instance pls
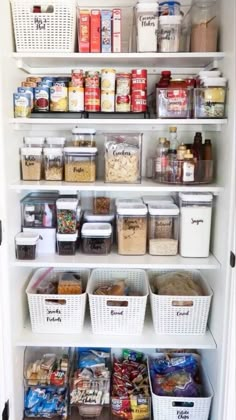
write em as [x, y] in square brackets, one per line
[68, 217]
[139, 90]
[108, 80]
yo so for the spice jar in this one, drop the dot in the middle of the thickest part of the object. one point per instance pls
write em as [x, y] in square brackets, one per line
[31, 163]
[163, 226]
[147, 25]
[204, 32]
[26, 243]
[101, 203]
[80, 164]
[53, 163]
[66, 243]
[66, 215]
[96, 238]
[132, 229]
[169, 33]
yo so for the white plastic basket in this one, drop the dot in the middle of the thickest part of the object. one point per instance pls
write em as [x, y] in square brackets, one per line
[180, 314]
[44, 32]
[175, 408]
[118, 320]
[49, 316]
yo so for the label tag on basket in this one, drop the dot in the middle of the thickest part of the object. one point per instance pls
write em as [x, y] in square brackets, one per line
[53, 315]
[40, 23]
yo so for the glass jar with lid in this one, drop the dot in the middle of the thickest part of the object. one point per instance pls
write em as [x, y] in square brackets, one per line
[80, 164]
[163, 228]
[132, 229]
[204, 32]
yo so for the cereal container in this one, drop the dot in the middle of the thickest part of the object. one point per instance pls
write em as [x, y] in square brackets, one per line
[96, 238]
[132, 229]
[163, 227]
[53, 163]
[66, 215]
[123, 156]
[31, 163]
[80, 164]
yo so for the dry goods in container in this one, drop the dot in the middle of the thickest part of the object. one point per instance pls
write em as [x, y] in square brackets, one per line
[204, 29]
[132, 229]
[96, 238]
[163, 229]
[210, 98]
[169, 33]
[80, 164]
[83, 137]
[53, 163]
[66, 243]
[66, 215]
[31, 163]
[26, 243]
[101, 203]
[147, 25]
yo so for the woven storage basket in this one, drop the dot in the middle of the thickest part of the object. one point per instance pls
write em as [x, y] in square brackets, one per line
[118, 320]
[49, 316]
[180, 314]
[175, 408]
[44, 32]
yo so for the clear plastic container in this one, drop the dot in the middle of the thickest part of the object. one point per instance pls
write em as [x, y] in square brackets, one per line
[169, 33]
[210, 100]
[157, 199]
[163, 228]
[31, 163]
[204, 32]
[147, 26]
[83, 137]
[96, 238]
[34, 141]
[38, 210]
[26, 243]
[132, 229]
[195, 224]
[55, 141]
[89, 216]
[123, 157]
[53, 163]
[66, 243]
[173, 102]
[67, 215]
[80, 164]
[101, 203]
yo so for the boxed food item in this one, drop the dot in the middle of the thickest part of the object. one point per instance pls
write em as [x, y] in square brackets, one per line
[84, 31]
[22, 105]
[116, 31]
[95, 31]
[106, 36]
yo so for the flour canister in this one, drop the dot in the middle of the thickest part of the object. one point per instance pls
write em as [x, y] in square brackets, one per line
[195, 224]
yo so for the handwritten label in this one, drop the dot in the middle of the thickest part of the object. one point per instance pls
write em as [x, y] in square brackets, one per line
[196, 221]
[95, 244]
[78, 170]
[182, 414]
[147, 21]
[53, 318]
[40, 22]
[123, 153]
[132, 224]
[116, 312]
[179, 313]
[29, 161]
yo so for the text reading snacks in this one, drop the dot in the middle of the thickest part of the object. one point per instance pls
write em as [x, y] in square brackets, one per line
[147, 27]
[108, 91]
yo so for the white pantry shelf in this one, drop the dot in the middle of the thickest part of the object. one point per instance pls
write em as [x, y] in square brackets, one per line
[114, 260]
[147, 340]
[145, 186]
[56, 63]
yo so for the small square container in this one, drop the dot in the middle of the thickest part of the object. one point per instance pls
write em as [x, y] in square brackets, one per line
[132, 229]
[67, 215]
[210, 100]
[89, 217]
[96, 238]
[66, 243]
[83, 137]
[173, 102]
[38, 210]
[80, 164]
[123, 157]
[31, 163]
[53, 163]
[26, 245]
[101, 203]
[163, 229]
[169, 33]
[55, 141]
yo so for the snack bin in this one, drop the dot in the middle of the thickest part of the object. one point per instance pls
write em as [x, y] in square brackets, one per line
[96, 238]
[173, 408]
[173, 102]
[180, 315]
[118, 315]
[123, 157]
[31, 163]
[163, 229]
[80, 164]
[132, 229]
[55, 313]
[67, 215]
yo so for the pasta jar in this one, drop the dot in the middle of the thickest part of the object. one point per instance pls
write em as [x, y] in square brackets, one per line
[31, 163]
[163, 227]
[53, 163]
[66, 215]
[169, 33]
[132, 229]
[96, 238]
[80, 164]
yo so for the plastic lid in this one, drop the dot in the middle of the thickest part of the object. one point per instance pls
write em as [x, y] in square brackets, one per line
[56, 140]
[205, 73]
[58, 151]
[196, 197]
[156, 199]
[67, 203]
[81, 150]
[132, 210]
[169, 3]
[96, 230]
[89, 216]
[26, 151]
[163, 209]
[67, 237]
[214, 81]
[34, 140]
[170, 20]
[26, 238]
[128, 201]
[151, 7]
[78, 130]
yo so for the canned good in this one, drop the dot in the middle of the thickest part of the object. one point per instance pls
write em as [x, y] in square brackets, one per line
[29, 84]
[107, 101]
[139, 101]
[76, 99]
[108, 80]
[139, 80]
[59, 99]
[41, 99]
[92, 100]
[77, 78]
[123, 84]
[123, 103]
[92, 79]
[21, 105]
[30, 91]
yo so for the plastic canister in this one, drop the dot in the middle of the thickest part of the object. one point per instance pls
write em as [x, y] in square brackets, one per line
[147, 26]
[169, 33]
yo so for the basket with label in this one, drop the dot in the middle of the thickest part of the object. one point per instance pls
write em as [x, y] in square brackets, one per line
[57, 300]
[117, 300]
[44, 26]
[180, 302]
[190, 386]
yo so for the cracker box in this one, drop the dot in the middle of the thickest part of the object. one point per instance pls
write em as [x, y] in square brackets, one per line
[84, 31]
[116, 35]
[106, 18]
[95, 31]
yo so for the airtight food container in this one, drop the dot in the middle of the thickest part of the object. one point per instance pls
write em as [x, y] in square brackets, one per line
[66, 243]
[132, 229]
[80, 164]
[31, 163]
[26, 243]
[53, 163]
[163, 229]
[67, 209]
[96, 238]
